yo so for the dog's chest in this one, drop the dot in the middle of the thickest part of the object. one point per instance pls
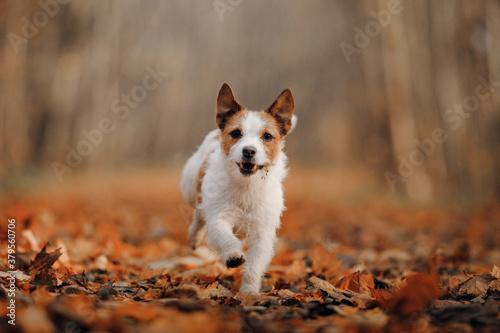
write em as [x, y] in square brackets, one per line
[249, 198]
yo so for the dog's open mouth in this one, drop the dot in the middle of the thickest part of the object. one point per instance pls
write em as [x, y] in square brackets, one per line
[247, 168]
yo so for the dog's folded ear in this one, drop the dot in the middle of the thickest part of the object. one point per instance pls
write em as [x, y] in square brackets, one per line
[282, 111]
[226, 106]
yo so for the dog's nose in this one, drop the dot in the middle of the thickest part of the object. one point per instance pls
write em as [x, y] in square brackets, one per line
[249, 152]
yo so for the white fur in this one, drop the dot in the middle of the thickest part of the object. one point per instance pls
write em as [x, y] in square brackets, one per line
[234, 205]
[251, 125]
[294, 124]
[194, 163]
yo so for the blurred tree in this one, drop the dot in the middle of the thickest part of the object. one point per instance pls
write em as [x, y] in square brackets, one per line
[69, 67]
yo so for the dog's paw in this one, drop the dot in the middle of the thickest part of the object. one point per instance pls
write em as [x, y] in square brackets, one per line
[235, 260]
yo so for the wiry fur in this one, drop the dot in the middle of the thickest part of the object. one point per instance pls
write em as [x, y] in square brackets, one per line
[234, 199]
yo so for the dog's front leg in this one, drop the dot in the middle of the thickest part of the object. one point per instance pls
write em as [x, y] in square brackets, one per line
[260, 252]
[222, 239]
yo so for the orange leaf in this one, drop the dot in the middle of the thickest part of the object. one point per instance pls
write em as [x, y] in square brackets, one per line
[381, 295]
[300, 297]
[356, 282]
[419, 291]
[149, 294]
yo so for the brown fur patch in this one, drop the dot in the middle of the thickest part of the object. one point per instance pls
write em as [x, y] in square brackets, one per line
[274, 146]
[198, 182]
[232, 123]
[227, 106]
[282, 110]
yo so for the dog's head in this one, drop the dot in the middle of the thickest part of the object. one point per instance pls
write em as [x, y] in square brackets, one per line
[252, 140]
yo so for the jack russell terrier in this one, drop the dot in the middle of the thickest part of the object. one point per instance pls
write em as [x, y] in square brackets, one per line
[233, 182]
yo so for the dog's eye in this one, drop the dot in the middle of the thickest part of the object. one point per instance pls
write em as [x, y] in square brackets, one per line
[267, 137]
[236, 134]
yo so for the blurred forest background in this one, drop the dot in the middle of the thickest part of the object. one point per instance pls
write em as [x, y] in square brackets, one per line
[365, 90]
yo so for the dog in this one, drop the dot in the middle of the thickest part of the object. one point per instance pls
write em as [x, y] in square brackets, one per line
[234, 183]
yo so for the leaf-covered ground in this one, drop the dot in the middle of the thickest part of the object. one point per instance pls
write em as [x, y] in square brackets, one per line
[111, 255]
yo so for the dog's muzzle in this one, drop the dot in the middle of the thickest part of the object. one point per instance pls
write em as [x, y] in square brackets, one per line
[248, 168]
[247, 165]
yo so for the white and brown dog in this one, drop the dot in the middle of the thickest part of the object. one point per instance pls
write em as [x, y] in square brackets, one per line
[233, 181]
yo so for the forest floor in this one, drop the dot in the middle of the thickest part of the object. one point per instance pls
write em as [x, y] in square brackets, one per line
[110, 254]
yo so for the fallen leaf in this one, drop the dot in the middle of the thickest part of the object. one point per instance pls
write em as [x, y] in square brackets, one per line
[20, 276]
[216, 290]
[149, 294]
[73, 290]
[494, 285]
[286, 293]
[356, 282]
[381, 296]
[247, 299]
[44, 278]
[327, 287]
[186, 291]
[495, 272]
[79, 279]
[475, 286]
[420, 289]
[43, 260]
[107, 292]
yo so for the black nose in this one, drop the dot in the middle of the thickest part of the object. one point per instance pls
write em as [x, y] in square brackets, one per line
[248, 152]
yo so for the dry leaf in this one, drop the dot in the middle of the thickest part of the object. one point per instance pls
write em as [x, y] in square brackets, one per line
[247, 299]
[107, 292]
[216, 290]
[20, 276]
[356, 282]
[43, 260]
[420, 289]
[327, 287]
[494, 285]
[495, 272]
[286, 293]
[473, 287]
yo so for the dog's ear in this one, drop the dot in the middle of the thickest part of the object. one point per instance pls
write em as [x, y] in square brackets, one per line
[282, 111]
[226, 106]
